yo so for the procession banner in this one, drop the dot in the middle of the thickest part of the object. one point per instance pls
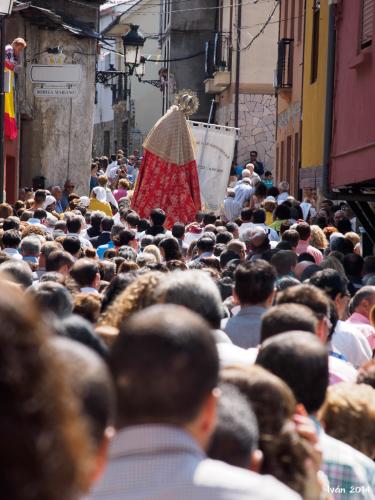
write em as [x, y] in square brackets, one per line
[215, 150]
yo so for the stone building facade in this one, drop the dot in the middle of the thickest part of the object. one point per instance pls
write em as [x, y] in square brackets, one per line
[257, 123]
[55, 133]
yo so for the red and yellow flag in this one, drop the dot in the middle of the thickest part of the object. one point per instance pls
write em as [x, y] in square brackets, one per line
[10, 122]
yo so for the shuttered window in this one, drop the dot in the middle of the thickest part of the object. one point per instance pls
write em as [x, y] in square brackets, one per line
[367, 19]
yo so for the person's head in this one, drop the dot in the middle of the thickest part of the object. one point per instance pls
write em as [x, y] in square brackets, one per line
[259, 216]
[39, 198]
[170, 249]
[178, 230]
[282, 212]
[94, 169]
[301, 360]
[11, 222]
[72, 245]
[96, 219]
[52, 298]
[11, 239]
[335, 286]
[304, 231]
[283, 187]
[260, 191]
[74, 224]
[85, 273]
[182, 395]
[224, 237]
[348, 414]
[284, 262]
[318, 238]
[314, 299]
[59, 261]
[31, 246]
[253, 156]
[274, 405]
[366, 373]
[205, 244]
[45, 450]
[106, 224]
[246, 214]
[237, 247]
[69, 186]
[132, 219]
[157, 217]
[363, 301]
[236, 435]
[87, 305]
[344, 226]
[286, 318]
[268, 175]
[56, 192]
[254, 283]
[18, 272]
[19, 45]
[353, 265]
[292, 236]
[194, 290]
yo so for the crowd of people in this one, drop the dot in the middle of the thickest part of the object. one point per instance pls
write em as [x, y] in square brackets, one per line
[229, 358]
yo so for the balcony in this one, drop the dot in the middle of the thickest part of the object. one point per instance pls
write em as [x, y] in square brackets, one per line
[218, 63]
[221, 80]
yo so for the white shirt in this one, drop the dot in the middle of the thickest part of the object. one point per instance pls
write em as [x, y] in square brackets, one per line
[231, 209]
[272, 234]
[350, 342]
[245, 227]
[282, 197]
[89, 289]
[243, 190]
[13, 253]
[110, 166]
[111, 199]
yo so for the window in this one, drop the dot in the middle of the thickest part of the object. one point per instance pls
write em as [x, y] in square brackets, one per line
[106, 143]
[315, 41]
[284, 72]
[367, 20]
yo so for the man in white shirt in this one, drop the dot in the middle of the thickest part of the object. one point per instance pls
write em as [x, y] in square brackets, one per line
[231, 209]
[346, 339]
[164, 427]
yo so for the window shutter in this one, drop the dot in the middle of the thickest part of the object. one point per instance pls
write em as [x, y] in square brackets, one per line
[367, 23]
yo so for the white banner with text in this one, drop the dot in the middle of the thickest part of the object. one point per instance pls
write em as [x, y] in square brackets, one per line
[215, 150]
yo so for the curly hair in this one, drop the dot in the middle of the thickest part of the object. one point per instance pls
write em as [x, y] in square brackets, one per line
[318, 238]
[28, 230]
[348, 414]
[45, 452]
[135, 297]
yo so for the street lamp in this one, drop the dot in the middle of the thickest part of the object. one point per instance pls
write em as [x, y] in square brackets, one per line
[133, 42]
[5, 10]
[141, 68]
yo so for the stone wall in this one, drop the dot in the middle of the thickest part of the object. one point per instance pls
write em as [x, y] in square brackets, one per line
[98, 148]
[257, 123]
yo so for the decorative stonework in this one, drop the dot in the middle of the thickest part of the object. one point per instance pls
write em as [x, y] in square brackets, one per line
[257, 123]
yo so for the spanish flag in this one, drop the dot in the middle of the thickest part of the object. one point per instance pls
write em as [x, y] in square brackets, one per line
[10, 122]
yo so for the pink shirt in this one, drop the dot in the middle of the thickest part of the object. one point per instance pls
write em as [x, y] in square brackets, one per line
[364, 326]
[119, 193]
[304, 247]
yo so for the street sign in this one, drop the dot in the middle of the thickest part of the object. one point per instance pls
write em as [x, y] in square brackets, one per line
[56, 73]
[59, 92]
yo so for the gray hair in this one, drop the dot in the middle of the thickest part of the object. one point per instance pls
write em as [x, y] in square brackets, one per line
[196, 291]
[53, 298]
[145, 258]
[365, 293]
[31, 246]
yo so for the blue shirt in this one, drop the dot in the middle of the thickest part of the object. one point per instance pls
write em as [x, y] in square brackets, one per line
[103, 248]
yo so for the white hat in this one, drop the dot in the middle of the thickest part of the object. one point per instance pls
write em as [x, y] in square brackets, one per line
[84, 201]
[50, 200]
[100, 193]
[270, 198]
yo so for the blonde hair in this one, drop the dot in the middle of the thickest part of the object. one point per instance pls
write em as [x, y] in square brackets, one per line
[318, 238]
[353, 237]
[19, 41]
[154, 250]
[135, 297]
[348, 414]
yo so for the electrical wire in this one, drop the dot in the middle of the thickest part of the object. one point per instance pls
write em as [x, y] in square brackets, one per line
[261, 31]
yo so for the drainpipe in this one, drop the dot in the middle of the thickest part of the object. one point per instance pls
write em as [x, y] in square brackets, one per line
[328, 124]
[238, 64]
